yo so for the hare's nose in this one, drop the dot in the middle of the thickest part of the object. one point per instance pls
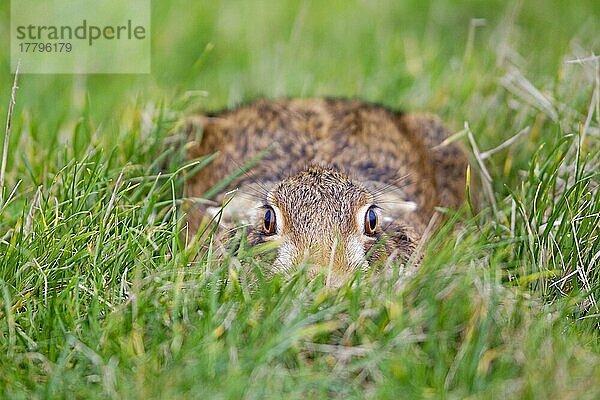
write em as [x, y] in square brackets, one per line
[330, 259]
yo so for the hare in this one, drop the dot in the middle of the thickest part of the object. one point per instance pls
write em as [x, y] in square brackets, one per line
[337, 183]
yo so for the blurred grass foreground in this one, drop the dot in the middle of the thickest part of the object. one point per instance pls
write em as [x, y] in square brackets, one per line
[100, 298]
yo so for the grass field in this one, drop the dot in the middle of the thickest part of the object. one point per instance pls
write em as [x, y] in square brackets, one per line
[100, 298]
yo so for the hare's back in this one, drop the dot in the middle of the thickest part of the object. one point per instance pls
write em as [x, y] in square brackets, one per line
[367, 141]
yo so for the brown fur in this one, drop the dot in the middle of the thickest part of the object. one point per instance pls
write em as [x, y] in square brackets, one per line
[324, 160]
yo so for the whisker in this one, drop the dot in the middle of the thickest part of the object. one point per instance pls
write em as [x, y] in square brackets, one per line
[257, 192]
[245, 171]
[251, 196]
[397, 202]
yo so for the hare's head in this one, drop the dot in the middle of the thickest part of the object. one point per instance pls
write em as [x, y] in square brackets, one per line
[323, 219]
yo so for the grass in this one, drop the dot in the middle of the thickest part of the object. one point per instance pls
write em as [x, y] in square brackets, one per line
[100, 298]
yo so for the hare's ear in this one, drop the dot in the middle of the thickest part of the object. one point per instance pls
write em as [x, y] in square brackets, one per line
[447, 157]
[203, 134]
[206, 136]
[236, 209]
[193, 129]
[392, 198]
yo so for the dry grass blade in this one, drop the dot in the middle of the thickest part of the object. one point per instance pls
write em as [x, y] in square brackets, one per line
[113, 197]
[588, 119]
[11, 107]
[34, 206]
[331, 261]
[338, 350]
[487, 178]
[473, 25]
[517, 84]
[505, 144]
[583, 60]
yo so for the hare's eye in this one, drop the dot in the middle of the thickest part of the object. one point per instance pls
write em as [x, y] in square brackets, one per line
[269, 224]
[370, 221]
